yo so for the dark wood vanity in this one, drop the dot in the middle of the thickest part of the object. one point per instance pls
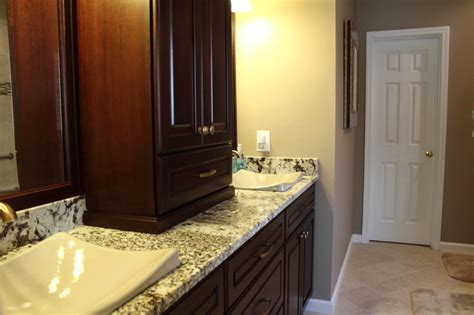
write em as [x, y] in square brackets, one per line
[272, 273]
[157, 109]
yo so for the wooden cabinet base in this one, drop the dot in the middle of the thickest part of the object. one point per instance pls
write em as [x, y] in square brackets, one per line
[156, 224]
[270, 274]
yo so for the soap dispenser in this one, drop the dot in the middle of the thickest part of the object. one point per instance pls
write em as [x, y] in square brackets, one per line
[238, 161]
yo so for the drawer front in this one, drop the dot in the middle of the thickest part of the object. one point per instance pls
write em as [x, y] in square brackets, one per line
[206, 299]
[298, 210]
[244, 266]
[266, 296]
[189, 176]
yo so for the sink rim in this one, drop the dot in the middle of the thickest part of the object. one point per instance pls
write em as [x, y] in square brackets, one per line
[140, 276]
[281, 186]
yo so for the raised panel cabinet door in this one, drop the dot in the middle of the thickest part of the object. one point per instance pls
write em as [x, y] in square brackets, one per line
[179, 74]
[206, 299]
[266, 294]
[114, 57]
[218, 87]
[308, 261]
[294, 270]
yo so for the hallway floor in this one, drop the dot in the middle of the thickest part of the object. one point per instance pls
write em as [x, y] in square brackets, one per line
[380, 277]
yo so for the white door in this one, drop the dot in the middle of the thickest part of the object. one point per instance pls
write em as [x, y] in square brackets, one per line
[404, 91]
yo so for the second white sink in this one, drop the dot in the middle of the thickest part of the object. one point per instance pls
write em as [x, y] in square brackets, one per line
[66, 275]
[273, 182]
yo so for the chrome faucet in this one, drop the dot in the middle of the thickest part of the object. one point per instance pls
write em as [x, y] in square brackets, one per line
[236, 154]
[7, 214]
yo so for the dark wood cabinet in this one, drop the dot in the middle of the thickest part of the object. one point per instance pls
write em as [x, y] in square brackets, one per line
[308, 261]
[294, 266]
[299, 264]
[269, 274]
[156, 108]
[205, 299]
[194, 74]
[267, 294]
[250, 259]
[38, 66]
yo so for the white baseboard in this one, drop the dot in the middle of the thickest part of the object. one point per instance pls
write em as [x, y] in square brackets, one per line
[356, 238]
[327, 307]
[316, 306]
[457, 248]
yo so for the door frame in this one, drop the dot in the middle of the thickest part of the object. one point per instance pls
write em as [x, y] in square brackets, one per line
[443, 33]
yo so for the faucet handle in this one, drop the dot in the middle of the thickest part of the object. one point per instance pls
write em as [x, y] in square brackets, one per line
[7, 214]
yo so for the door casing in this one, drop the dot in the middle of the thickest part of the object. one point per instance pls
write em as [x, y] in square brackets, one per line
[443, 34]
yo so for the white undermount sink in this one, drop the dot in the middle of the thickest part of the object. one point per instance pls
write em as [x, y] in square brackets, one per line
[244, 179]
[66, 275]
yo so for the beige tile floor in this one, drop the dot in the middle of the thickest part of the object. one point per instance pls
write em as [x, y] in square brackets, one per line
[380, 276]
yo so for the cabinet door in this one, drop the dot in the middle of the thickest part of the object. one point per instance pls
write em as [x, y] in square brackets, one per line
[218, 71]
[307, 277]
[266, 295]
[179, 67]
[206, 299]
[294, 270]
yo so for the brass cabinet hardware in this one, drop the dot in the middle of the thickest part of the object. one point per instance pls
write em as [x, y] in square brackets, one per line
[208, 174]
[7, 214]
[429, 154]
[212, 130]
[267, 251]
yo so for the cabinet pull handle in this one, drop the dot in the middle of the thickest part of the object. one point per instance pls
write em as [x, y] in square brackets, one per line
[267, 310]
[208, 174]
[9, 156]
[266, 252]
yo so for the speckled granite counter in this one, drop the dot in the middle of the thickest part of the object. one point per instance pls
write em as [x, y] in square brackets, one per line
[203, 242]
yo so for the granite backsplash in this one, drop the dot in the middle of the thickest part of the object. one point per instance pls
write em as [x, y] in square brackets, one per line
[38, 223]
[279, 165]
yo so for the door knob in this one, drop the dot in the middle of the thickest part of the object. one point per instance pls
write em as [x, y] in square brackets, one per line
[429, 154]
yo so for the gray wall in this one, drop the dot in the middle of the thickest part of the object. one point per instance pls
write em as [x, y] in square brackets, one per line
[3, 9]
[376, 15]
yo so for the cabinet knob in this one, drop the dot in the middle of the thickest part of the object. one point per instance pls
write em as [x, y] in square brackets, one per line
[199, 131]
[212, 130]
[205, 130]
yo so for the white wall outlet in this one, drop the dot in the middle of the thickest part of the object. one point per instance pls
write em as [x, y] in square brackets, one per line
[263, 140]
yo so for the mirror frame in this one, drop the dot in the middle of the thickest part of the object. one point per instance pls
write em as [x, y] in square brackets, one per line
[72, 186]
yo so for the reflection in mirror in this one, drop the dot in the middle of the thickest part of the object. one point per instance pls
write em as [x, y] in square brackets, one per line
[8, 165]
[32, 147]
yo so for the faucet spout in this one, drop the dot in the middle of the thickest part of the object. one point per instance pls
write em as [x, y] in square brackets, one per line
[7, 214]
[236, 154]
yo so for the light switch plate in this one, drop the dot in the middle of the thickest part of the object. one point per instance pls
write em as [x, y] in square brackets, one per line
[263, 140]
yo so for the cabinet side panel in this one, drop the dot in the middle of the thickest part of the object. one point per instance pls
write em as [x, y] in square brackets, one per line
[115, 75]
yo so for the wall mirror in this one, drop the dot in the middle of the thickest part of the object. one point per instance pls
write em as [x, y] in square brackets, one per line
[38, 145]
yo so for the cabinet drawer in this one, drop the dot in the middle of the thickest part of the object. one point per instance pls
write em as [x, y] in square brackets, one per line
[206, 299]
[266, 296]
[298, 210]
[244, 266]
[188, 176]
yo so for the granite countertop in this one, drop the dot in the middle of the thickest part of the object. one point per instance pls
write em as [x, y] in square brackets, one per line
[203, 242]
